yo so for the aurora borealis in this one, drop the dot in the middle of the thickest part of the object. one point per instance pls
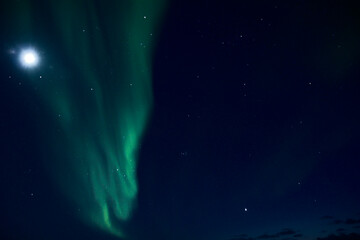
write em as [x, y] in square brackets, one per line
[179, 120]
[102, 101]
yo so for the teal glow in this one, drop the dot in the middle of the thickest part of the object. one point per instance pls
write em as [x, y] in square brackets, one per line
[96, 80]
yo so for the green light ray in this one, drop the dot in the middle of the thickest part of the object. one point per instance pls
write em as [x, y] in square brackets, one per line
[99, 90]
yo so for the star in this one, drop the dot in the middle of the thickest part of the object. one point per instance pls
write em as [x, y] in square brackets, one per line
[29, 58]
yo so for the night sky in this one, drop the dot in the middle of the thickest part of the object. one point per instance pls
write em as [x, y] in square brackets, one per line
[176, 119]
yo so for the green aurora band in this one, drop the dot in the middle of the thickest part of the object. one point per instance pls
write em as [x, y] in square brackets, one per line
[98, 88]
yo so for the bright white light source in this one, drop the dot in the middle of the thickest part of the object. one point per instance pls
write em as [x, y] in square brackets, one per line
[29, 58]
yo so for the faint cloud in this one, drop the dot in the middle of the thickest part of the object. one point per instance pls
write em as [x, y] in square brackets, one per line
[352, 221]
[338, 221]
[351, 236]
[286, 231]
[267, 236]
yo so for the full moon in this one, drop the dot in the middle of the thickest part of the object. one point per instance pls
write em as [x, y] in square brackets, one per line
[29, 58]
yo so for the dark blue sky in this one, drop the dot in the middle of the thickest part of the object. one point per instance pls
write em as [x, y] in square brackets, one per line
[254, 132]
